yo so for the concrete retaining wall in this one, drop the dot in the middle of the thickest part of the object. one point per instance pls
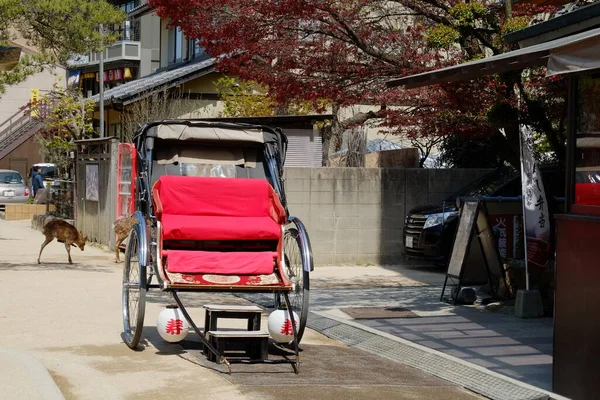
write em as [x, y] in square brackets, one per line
[14, 212]
[356, 215]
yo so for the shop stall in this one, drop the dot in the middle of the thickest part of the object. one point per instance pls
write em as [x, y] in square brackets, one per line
[576, 348]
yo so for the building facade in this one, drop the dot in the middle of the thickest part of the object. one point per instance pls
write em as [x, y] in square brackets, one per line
[19, 149]
[155, 72]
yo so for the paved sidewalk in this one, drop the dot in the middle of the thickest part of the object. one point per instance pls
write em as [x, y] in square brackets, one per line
[515, 347]
[24, 377]
[69, 318]
[494, 354]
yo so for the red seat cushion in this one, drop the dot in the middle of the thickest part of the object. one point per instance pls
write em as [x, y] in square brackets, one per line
[225, 197]
[209, 262]
[192, 227]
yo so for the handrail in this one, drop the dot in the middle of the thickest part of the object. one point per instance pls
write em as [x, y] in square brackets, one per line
[17, 127]
[10, 119]
[21, 118]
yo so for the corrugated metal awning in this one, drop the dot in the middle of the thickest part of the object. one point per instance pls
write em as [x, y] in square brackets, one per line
[533, 56]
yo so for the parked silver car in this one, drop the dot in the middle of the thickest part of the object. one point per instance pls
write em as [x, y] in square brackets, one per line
[13, 189]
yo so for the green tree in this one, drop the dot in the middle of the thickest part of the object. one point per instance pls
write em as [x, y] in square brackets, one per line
[251, 99]
[243, 99]
[66, 116]
[58, 29]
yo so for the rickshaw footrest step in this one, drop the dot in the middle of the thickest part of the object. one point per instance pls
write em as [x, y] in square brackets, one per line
[251, 345]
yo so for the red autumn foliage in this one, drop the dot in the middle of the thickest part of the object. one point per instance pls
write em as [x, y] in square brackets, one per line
[345, 51]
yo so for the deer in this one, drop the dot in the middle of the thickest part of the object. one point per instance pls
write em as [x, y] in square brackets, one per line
[64, 233]
[122, 228]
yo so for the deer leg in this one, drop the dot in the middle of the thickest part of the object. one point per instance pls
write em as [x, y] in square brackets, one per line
[48, 240]
[68, 247]
[117, 249]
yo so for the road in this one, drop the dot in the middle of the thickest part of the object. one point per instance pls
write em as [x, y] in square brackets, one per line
[69, 317]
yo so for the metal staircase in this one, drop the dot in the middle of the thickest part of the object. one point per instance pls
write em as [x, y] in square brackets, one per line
[15, 131]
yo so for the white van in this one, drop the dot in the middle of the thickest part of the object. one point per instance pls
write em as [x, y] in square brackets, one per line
[49, 173]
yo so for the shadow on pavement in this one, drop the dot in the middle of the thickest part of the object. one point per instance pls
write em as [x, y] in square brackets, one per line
[500, 342]
[330, 369]
[54, 266]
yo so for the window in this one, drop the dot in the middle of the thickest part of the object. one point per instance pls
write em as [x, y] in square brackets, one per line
[128, 6]
[10, 177]
[176, 45]
[587, 142]
[198, 51]
[171, 46]
[196, 48]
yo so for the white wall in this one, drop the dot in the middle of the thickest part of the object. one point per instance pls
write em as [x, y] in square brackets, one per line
[18, 95]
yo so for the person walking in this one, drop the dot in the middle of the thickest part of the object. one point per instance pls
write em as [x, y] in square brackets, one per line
[37, 182]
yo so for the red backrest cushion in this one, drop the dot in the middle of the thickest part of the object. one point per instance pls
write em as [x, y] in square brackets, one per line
[207, 196]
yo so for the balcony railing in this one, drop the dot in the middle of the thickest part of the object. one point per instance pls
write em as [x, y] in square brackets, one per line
[130, 30]
[127, 47]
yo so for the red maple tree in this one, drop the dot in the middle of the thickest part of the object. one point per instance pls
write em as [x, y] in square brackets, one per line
[345, 51]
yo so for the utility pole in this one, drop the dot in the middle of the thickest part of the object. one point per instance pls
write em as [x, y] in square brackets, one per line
[101, 79]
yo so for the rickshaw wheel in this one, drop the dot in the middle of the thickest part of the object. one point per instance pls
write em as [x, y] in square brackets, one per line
[134, 293]
[297, 274]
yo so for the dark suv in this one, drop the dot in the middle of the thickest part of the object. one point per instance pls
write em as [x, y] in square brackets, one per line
[429, 229]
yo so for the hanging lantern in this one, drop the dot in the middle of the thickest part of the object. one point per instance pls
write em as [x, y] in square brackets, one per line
[172, 325]
[280, 326]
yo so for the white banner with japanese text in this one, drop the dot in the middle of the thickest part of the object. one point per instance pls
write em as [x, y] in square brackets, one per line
[536, 218]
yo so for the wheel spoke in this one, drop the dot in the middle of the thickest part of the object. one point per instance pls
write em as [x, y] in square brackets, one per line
[134, 291]
[295, 273]
[293, 262]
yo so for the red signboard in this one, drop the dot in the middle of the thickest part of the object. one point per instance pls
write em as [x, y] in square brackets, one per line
[126, 180]
[111, 75]
[509, 229]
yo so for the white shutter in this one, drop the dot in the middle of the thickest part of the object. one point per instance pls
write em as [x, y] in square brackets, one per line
[304, 148]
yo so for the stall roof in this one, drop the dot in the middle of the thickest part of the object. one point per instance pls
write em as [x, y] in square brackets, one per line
[532, 56]
[572, 18]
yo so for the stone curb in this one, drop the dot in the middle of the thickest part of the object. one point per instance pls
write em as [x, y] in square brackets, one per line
[463, 373]
[29, 377]
[473, 377]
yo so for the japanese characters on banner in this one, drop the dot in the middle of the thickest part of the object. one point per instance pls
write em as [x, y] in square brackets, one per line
[535, 204]
[113, 75]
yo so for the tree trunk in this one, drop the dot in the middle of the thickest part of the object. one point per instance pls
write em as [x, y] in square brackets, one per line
[508, 146]
[357, 147]
[337, 129]
[326, 145]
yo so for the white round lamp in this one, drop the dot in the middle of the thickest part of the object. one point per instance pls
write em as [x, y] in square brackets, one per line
[172, 325]
[280, 326]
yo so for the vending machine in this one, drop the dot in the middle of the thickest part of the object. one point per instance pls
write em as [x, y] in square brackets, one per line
[126, 180]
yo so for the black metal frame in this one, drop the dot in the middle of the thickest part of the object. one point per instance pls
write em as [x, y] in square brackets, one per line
[275, 157]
